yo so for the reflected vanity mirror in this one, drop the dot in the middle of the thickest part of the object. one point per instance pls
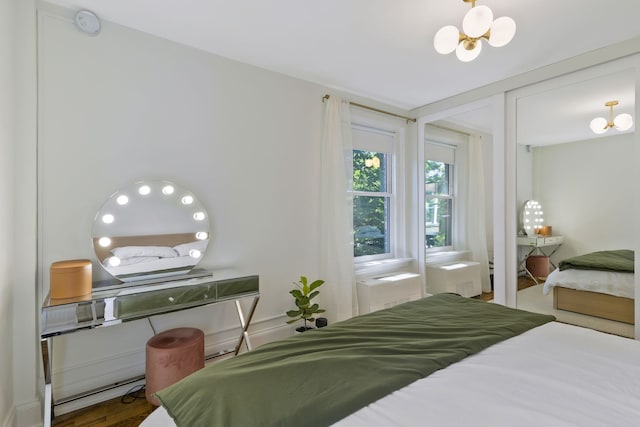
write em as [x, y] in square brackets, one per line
[531, 218]
[150, 230]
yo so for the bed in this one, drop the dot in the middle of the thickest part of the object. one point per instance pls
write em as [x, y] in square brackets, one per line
[598, 284]
[442, 361]
[150, 257]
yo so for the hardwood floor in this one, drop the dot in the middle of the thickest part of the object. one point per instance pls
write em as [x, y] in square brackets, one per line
[118, 412]
[523, 283]
[129, 412]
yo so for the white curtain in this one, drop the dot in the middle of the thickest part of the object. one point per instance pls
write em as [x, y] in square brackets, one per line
[476, 223]
[336, 210]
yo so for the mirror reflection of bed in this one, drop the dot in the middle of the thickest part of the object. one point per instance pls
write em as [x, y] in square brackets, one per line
[584, 183]
[128, 257]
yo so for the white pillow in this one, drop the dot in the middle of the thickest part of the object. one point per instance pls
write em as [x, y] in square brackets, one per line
[185, 248]
[132, 260]
[138, 251]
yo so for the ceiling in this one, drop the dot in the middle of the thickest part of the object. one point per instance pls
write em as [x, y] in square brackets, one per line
[378, 49]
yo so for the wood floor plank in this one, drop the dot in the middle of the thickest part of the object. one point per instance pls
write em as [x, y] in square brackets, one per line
[112, 413]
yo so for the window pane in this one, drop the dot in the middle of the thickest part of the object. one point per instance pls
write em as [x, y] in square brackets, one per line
[369, 171]
[436, 178]
[370, 225]
[438, 222]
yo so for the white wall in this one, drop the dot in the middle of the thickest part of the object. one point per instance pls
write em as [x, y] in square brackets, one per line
[125, 106]
[6, 210]
[586, 189]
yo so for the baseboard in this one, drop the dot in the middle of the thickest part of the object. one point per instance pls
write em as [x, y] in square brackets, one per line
[82, 378]
[9, 419]
[26, 415]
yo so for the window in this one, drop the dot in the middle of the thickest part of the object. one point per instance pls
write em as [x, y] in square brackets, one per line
[373, 198]
[438, 204]
[439, 196]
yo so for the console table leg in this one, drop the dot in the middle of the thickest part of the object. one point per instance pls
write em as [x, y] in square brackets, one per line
[45, 346]
[245, 324]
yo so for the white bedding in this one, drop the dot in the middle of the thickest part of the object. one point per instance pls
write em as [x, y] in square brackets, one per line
[553, 375]
[154, 268]
[606, 282]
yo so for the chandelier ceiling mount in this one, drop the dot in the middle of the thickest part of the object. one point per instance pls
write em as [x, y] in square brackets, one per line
[478, 24]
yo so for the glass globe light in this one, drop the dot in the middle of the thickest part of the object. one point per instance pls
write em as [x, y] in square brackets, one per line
[623, 122]
[598, 125]
[502, 31]
[446, 39]
[465, 55]
[477, 21]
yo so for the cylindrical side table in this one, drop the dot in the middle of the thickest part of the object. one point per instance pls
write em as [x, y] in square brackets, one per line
[170, 356]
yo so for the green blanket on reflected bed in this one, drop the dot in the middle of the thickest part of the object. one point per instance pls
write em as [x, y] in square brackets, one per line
[318, 377]
[616, 260]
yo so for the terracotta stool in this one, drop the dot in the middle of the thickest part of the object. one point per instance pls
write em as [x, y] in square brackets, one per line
[170, 356]
[538, 265]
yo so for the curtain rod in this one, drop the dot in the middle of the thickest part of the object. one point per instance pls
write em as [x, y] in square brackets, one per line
[408, 119]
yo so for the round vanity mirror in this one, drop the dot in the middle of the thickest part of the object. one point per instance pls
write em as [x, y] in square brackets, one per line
[149, 230]
[531, 218]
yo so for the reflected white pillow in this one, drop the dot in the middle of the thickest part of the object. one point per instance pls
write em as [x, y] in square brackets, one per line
[144, 251]
[185, 248]
[132, 260]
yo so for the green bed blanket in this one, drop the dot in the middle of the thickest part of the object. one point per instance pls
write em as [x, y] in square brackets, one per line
[616, 260]
[318, 377]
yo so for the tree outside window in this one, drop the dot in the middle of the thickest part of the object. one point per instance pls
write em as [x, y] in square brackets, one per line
[371, 202]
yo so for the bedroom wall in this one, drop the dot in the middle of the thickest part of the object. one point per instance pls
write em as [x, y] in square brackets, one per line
[125, 106]
[6, 210]
[586, 190]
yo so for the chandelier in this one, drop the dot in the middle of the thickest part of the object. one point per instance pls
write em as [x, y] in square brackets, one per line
[622, 122]
[477, 24]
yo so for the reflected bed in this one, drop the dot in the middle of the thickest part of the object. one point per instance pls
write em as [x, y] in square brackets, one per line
[600, 284]
[456, 361]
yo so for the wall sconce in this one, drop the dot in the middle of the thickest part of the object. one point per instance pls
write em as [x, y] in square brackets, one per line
[622, 122]
[477, 24]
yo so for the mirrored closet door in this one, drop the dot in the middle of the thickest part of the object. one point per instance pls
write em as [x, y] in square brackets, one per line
[575, 192]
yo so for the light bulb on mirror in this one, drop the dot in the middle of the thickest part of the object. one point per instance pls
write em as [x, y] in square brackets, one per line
[122, 200]
[187, 200]
[107, 219]
[144, 190]
[104, 242]
[201, 235]
[167, 190]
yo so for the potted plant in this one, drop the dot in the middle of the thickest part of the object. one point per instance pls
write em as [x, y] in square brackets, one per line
[303, 293]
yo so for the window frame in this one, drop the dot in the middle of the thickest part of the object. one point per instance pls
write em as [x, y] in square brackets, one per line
[451, 195]
[395, 185]
[437, 136]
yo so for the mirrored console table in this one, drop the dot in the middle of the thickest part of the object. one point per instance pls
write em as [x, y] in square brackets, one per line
[538, 245]
[114, 305]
